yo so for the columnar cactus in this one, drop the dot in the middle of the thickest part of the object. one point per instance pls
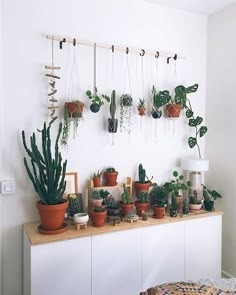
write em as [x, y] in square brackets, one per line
[47, 173]
[113, 104]
[125, 197]
[141, 173]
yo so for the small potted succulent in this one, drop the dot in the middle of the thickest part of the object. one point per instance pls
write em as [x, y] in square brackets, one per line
[160, 99]
[110, 176]
[173, 205]
[104, 195]
[126, 102]
[142, 202]
[185, 207]
[141, 107]
[158, 198]
[73, 113]
[97, 179]
[195, 205]
[97, 101]
[113, 208]
[142, 184]
[180, 99]
[126, 203]
[98, 215]
[96, 200]
[209, 197]
[132, 215]
[73, 204]
[112, 122]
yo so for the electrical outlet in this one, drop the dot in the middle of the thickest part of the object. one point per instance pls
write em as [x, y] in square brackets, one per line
[7, 187]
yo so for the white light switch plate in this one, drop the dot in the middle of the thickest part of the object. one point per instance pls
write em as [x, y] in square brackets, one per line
[7, 187]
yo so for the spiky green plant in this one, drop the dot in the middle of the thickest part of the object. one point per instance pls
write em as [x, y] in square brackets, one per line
[141, 173]
[174, 205]
[125, 197]
[113, 104]
[47, 173]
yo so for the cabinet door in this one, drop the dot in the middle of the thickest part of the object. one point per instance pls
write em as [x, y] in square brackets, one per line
[203, 248]
[116, 263]
[62, 267]
[163, 254]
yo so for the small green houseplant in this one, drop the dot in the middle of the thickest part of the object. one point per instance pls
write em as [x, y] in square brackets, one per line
[158, 198]
[96, 200]
[113, 122]
[160, 99]
[126, 102]
[144, 183]
[142, 202]
[97, 179]
[185, 206]
[173, 205]
[141, 107]
[195, 205]
[209, 197]
[96, 100]
[110, 176]
[126, 203]
[47, 174]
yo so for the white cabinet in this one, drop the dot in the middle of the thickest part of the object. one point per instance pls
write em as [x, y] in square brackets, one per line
[163, 254]
[116, 263]
[203, 248]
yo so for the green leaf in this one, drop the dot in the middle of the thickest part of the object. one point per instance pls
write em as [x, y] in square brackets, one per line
[181, 177]
[175, 173]
[189, 183]
[184, 187]
[107, 98]
[192, 89]
[192, 142]
[195, 122]
[189, 113]
[202, 131]
[88, 93]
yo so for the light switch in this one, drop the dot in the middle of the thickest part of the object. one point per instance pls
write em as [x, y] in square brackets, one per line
[7, 187]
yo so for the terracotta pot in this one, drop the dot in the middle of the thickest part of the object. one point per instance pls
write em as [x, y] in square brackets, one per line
[97, 181]
[110, 178]
[195, 207]
[52, 216]
[75, 110]
[142, 186]
[96, 202]
[98, 218]
[173, 110]
[159, 212]
[141, 207]
[126, 208]
[141, 111]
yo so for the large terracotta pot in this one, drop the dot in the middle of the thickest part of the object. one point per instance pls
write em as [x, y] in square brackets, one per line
[97, 181]
[141, 207]
[75, 110]
[159, 212]
[173, 110]
[110, 178]
[52, 216]
[126, 208]
[141, 186]
[98, 218]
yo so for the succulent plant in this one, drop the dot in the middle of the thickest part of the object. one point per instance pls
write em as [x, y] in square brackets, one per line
[142, 197]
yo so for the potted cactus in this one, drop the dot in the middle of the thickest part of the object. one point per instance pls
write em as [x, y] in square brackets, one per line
[142, 184]
[141, 107]
[209, 197]
[97, 179]
[160, 99]
[195, 205]
[158, 198]
[126, 203]
[47, 174]
[185, 207]
[110, 176]
[112, 122]
[98, 215]
[173, 205]
[142, 203]
[96, 199]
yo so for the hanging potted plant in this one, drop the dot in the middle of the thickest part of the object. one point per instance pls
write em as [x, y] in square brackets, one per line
[73, 113]
[209, 197]
[126, 102]
[160, 99]
[96, 100]
[158, 198]
[180, 99]
[110, 176]
[142, 203]
[48, 178]
[142, 184]
[141, 107]
[112, 122]
[126, 203]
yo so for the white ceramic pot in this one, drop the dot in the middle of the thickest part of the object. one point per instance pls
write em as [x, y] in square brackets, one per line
[195, 207]
[81, 218]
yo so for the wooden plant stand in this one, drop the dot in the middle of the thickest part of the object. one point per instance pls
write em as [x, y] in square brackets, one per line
[81, 225]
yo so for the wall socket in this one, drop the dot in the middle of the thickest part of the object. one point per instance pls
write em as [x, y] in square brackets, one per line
[7, 187]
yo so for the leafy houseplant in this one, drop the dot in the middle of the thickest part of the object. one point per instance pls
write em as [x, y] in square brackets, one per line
[158, 198]
[141, 107]
[180, 99]
[142, 202]
[126, 201]
[73, 113]
[160, 99]
[97, 179]
[112, 122]
[142, 184]
[97, 101]
[173, 206]
[48, 178]
[110, 176]
[126, 103]
[209, 197]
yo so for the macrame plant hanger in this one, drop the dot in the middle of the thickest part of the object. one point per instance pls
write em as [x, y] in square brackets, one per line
[142, 109]
[155, 85]
[113, 103]
[52, 87]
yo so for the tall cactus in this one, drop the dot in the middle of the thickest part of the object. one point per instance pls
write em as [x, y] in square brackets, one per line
[141, 173]
[125, 197]
[47, 173]
[113, 104]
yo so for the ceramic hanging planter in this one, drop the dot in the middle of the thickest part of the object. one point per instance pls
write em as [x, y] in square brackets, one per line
[112, 122]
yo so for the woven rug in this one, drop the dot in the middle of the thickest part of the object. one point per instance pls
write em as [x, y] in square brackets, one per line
[183, 288]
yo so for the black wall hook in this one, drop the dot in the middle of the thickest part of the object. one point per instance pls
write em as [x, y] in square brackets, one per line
[157, 54]
[127, 50]
[64, 40]
[168, 59]
[142, 52]
[175, 57]
[74, 41]
[112, 48]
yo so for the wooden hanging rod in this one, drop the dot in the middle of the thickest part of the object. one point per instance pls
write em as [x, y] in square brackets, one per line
[119, 48]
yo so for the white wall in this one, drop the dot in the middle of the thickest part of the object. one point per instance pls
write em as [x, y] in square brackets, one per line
[220, 113]
[133, 23]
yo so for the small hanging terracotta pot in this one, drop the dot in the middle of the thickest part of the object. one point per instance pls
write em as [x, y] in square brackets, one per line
[75, 109]
[141, 207]
[141, 111]
[173, 110]
[159, 212]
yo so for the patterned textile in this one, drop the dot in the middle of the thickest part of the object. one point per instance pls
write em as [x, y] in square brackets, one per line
[183, 288]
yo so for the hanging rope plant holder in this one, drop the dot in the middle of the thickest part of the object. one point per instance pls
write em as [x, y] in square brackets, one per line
[142, 102]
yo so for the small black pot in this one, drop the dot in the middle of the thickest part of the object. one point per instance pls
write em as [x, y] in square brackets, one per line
[156, 114]
[173, 213]
[94, 107]
[209, 206]
[185, 210]
[112, 125]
